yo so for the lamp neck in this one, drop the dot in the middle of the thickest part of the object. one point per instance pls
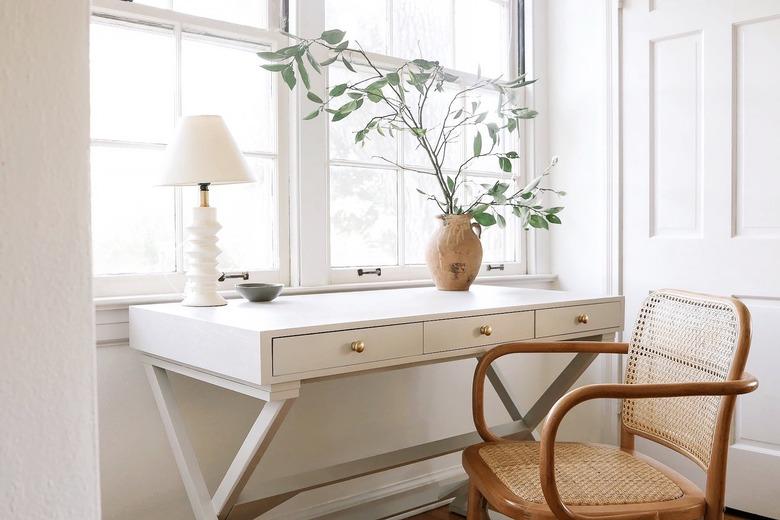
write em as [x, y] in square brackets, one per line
[204, 195]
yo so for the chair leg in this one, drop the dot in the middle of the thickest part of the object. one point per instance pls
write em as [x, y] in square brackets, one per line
[477, 506]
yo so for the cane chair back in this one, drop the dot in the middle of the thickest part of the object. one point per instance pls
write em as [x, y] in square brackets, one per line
[685, 337]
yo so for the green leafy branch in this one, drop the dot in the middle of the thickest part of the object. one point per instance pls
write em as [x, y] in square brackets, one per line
[405, 92]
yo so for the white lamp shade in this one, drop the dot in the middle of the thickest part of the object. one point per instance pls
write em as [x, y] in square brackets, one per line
[203, 151]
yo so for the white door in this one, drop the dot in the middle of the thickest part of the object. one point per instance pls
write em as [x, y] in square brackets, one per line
[701, 192]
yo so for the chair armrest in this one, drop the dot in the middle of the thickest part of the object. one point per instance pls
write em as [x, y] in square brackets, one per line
[746, 384]
[478, 388]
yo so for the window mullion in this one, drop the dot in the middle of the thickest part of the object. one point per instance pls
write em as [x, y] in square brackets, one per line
[178, 199]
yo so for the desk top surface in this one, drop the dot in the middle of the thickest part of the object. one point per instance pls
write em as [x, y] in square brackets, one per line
[312, 310]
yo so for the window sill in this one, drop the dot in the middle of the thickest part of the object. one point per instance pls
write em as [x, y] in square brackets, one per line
[123, 302]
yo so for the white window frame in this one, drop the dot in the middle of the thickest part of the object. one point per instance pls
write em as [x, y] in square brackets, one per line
[123, 13]
[303, 164]
[313, 226]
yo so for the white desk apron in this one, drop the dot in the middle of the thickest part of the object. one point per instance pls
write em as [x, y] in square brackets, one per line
[266, 350]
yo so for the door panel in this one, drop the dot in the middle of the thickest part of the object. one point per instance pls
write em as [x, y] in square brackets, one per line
[701, 149]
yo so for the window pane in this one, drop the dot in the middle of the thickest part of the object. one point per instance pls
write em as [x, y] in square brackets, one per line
[133, 73]
[247, 213]
[364, 20]
[133, 225]
[363, 217]
[245, 12]
[423, 27]
[342, 133]
[498, 245]
[481, 36]
[419, 213]
[219, 78]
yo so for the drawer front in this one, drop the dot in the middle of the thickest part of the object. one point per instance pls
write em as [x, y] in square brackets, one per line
[294, 354]
[457, 333]
[581, 318]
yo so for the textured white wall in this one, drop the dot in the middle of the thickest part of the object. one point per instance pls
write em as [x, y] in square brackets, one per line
[48, 433]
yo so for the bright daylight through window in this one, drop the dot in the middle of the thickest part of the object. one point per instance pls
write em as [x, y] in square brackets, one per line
[153, 61]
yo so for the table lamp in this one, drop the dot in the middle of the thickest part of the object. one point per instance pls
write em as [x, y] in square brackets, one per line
[203, 152]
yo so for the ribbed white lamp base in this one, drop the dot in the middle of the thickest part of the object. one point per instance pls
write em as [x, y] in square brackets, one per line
[200, 289]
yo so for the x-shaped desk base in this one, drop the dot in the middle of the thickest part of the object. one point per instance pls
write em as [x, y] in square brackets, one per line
[224, 504]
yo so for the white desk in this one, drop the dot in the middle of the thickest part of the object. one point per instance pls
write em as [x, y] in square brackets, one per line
[266, 350]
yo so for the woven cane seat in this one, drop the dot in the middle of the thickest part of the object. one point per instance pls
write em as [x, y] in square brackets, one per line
[586, 474]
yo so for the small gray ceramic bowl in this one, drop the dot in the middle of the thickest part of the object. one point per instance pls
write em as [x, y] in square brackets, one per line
[259, 292]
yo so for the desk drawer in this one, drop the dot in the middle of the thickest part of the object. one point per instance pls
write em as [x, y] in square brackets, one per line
[294, 354]
[457, 333]
[580, 318]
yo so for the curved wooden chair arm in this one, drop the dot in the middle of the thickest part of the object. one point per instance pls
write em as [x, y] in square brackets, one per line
[478, 387]
[746, 384]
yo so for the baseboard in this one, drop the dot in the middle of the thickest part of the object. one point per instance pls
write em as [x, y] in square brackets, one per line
[392, 501]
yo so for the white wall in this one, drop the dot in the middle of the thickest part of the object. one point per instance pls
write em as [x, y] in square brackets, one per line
[574, 77]
[48, 434]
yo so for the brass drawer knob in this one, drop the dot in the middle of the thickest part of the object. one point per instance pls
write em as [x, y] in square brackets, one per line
[583, 318]
[358, 346]
[486, 330]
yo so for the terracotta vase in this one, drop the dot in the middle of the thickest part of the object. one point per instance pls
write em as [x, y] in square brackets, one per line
[454, 252]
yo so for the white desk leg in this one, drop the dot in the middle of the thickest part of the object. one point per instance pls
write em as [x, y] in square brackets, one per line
[249, 455]
[247, 458]
[183, 452]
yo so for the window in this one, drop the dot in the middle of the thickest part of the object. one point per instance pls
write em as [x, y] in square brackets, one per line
[153, 61]
[377, 217]
[144, 76]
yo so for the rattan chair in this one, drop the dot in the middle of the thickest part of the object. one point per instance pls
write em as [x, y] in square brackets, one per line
[685, 367]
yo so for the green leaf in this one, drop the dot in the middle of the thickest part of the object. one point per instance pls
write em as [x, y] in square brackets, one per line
[525, 113]
[538, 222]
[422, 192]
[288, 75]
[419, 132]
[338, 116]
[458, 114]
[272, 56]
[450, 184]
[480, 208]
[501, 220]
[312, 115]
[512, 155]
[554, 210]
[338, 90]
[329, 60]
[347, 64]
[505, 164]
[355, 95]
[341, 46]
[393, 78]
[274, 67]
[511, 125]
[313, 62]
[553, 219]
[302, 72]
[377, 85]
[533, 184]
[347, 107]
[478, 144]
[451, 78]
[333, 36]
[289, 52]
[425, 64]
[374, 97]
[314, 97]
[481, 117]
[485, 219]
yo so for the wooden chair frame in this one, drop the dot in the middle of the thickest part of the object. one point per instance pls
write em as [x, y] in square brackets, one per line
[738, 382]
